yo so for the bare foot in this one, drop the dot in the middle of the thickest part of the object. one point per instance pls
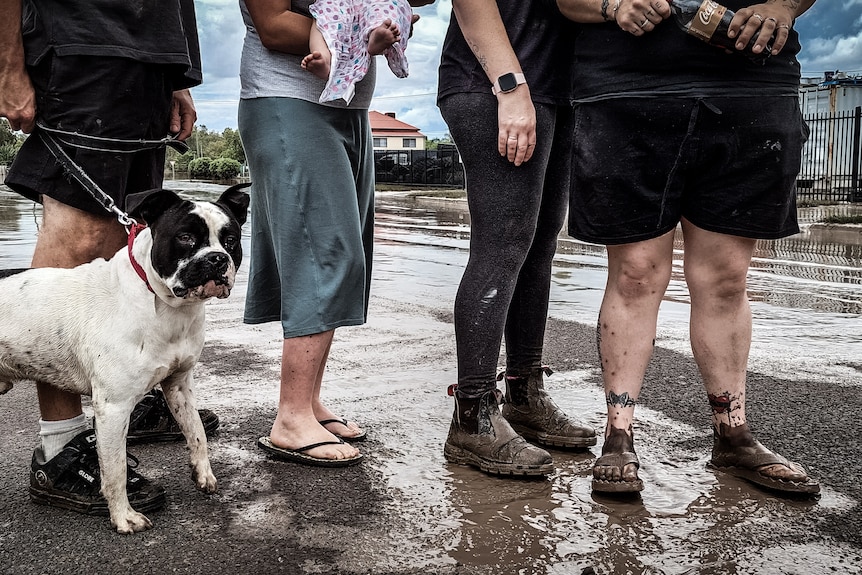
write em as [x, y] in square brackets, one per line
[317, 64]
[306, 431]
[383, 37]
[336, 425]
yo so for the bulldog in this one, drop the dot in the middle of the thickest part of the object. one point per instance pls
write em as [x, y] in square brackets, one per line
[115, 329]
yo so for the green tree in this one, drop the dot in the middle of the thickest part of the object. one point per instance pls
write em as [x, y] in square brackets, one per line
[432, 143]
[233, 146]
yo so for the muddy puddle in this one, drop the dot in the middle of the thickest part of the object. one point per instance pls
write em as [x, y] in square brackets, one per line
[807, 300]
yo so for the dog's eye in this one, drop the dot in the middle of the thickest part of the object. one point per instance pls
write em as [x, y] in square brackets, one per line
[186, 239]
[229, 241]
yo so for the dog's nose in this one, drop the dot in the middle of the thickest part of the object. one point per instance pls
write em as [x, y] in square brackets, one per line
[218, 260]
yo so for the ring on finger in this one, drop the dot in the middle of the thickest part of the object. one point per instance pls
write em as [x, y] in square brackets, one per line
[758, 16]
[774, 21]
[642, 24]
[785, 26]
[513, 138]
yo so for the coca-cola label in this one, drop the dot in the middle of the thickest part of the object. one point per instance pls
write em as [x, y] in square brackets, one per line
[706, 20]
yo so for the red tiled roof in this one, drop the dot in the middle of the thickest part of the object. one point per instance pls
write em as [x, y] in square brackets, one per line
[381, 124]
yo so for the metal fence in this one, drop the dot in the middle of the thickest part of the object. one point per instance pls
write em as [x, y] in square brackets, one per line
[440, 167]
[830, 169]
[831, 158]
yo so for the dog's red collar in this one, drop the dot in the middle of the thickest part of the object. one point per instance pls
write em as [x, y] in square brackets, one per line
[133, 232]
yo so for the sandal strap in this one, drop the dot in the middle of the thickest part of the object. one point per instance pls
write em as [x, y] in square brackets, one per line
[752, 457]
[326, 422]
[313, 445]
[619, 460]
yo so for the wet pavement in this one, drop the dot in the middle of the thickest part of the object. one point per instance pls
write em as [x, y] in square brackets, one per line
[405, 510]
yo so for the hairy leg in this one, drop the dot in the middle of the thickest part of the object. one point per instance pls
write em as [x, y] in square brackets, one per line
[716, 268]
[638, 275]
[303, 362]
[67, 238]
[322, 413]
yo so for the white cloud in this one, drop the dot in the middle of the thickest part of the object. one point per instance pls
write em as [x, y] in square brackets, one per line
[829, 54]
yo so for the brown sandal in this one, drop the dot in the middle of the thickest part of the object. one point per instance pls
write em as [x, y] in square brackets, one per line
[617, 438]
[745, 461]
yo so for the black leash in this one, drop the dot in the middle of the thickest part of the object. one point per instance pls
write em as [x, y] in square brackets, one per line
[52, 138]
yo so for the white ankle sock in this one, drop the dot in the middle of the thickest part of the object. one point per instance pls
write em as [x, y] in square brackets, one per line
[56, 434]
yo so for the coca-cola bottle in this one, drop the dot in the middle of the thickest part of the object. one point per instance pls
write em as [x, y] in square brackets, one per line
[709, 21]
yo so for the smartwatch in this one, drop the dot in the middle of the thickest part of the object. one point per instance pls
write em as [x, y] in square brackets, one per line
[507, 83]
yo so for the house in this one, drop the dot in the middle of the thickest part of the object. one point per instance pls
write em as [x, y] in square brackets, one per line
[391, 134]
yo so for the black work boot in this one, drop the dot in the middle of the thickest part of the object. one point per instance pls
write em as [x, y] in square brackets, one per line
[532, 413]
[479, 436]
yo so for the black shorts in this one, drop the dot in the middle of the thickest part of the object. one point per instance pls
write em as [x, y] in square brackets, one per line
[96, 96]
[727, 165]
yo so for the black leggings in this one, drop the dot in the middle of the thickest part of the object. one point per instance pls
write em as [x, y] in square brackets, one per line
[516, 214]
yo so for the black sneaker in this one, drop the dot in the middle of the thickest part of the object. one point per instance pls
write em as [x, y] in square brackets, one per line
[151, 420]
[71, 480]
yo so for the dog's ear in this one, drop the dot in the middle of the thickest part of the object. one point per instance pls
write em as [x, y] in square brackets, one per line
[149, 205]
[235, 201]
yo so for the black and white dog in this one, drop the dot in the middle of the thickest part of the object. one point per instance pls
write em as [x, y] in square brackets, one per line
[115, 329]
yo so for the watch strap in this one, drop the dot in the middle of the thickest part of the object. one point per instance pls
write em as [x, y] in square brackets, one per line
[519, 79]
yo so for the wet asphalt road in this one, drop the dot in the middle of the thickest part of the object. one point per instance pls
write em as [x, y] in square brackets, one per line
[405, 511]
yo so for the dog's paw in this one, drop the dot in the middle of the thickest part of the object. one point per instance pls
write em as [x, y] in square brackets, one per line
[206, 483]
[132, 522]
[202, 475]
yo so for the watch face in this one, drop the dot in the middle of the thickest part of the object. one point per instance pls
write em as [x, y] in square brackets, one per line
[507, 82]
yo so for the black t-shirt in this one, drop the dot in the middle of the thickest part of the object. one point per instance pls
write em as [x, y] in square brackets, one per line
[543, 42]
[162, 32]
[667, 61]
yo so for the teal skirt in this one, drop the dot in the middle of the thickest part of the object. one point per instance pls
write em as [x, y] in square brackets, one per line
[312, 214]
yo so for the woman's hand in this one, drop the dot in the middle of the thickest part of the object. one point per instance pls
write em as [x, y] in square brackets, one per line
[516, 122]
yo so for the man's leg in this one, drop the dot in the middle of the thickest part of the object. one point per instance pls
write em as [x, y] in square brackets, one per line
[638, 275]
[67, 238]
[716, 268]
[303, 363]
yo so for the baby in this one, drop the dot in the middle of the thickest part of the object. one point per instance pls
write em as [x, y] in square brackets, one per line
[348, 33]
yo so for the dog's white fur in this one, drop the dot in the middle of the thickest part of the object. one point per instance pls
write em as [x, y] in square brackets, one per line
[97, 330]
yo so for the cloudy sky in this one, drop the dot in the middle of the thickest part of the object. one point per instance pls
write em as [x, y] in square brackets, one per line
[831, 33]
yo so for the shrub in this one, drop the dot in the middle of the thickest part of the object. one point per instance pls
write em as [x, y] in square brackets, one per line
[7, 154]
[224, 168]
[201, 168]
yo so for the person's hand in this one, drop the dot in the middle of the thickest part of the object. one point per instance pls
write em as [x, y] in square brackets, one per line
[17, 98]
[516, 122]
[183, 115]
[640, 16]
[764, 20]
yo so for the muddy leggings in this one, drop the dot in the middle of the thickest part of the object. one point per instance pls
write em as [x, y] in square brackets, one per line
[516, 214]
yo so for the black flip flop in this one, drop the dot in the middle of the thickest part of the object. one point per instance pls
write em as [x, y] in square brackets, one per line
[348, 438]
[298, 455]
